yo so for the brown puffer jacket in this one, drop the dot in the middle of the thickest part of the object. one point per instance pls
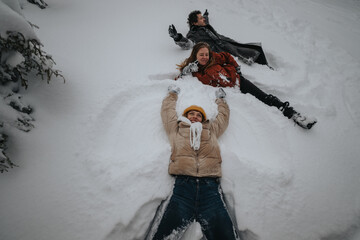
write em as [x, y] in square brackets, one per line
[184, 160]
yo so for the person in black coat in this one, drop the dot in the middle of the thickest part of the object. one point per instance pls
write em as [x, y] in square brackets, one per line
[202, 31]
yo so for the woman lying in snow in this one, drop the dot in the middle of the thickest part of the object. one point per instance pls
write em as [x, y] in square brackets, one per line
[221, 70]
[195, 163]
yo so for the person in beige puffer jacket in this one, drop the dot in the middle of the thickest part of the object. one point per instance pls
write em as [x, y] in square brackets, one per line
[204, 162]
[195, 163]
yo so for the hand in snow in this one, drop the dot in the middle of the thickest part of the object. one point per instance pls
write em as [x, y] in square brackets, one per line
[192, 67]
[238, 70]
[249, 61]
[220, 93]
[172, 31]
[174, 89]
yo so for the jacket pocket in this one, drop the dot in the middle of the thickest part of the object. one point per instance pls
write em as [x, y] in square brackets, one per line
[205, 135]
[184, 132]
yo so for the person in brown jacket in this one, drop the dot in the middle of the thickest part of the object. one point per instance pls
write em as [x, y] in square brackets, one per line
[195, 162]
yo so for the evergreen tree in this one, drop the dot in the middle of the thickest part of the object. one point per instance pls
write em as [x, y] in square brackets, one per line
[21, 61]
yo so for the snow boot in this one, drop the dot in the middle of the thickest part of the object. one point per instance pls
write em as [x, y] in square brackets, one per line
[302, 121]
[289, 112]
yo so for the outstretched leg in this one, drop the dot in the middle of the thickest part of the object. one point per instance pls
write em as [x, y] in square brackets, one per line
[179, 213]
[173, 223]
[213, 215]
[248, 87]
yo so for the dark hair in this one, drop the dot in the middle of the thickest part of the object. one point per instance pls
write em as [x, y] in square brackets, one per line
[193, 18]
[192, 57]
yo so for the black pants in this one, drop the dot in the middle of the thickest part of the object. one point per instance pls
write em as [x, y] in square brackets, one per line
[248, 87]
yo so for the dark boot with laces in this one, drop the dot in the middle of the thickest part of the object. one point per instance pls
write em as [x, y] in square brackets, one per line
[289, 112]
[302, 121]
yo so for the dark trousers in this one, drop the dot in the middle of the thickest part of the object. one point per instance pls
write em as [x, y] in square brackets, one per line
[198, 199]
[248, 87]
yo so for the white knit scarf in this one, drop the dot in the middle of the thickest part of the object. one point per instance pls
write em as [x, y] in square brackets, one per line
[195, 132]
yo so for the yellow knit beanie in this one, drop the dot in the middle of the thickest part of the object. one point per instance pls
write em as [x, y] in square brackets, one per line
[195, 108]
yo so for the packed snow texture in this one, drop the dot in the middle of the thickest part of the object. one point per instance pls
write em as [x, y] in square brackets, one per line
[95, 166]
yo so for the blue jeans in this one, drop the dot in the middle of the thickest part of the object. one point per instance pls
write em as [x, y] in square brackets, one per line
[199, 199]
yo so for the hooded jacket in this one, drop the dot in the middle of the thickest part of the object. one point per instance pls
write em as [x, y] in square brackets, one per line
[184, 160]
[220, 43]
[222, 74]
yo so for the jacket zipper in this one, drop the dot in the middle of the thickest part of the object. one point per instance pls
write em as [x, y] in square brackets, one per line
[197, 164]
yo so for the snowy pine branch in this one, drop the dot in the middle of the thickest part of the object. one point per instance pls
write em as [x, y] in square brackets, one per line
[20, 56]
[5, 162]
[40, 3]
[21, 60]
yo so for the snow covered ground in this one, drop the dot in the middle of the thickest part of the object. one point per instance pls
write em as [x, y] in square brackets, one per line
[95, 166]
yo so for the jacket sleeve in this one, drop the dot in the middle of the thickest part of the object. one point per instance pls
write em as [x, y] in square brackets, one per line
[206, 19]
[225, 58]
[184, 42]
[214, 79]
[168, 113]
[220, 124]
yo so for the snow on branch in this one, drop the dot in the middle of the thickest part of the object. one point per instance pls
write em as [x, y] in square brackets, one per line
[40, 3]
[5, 162]
[22, 60]
[20, 56]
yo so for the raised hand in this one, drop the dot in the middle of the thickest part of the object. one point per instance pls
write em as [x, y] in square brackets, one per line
[238, 70]
[206, 13]
[220, 93]
[174, 89]
[191, 67]
[172, 31]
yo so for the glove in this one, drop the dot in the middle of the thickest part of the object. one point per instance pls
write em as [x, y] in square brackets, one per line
[249, 61]
[238, 70]
[191, 67]
[173, 89]
[206, 13]
[172, 32]
[220, 93]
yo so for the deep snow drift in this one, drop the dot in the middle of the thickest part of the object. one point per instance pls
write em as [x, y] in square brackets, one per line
[95, 166]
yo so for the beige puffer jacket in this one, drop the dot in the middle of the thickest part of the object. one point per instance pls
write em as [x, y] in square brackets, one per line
[184, 160]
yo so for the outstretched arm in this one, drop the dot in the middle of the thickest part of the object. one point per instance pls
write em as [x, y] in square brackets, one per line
[168, 110]
[179, 39]
[185, 43]
[220, 124]
[206, 16]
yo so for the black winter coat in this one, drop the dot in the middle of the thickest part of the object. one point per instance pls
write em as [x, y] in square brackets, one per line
[219, 43]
